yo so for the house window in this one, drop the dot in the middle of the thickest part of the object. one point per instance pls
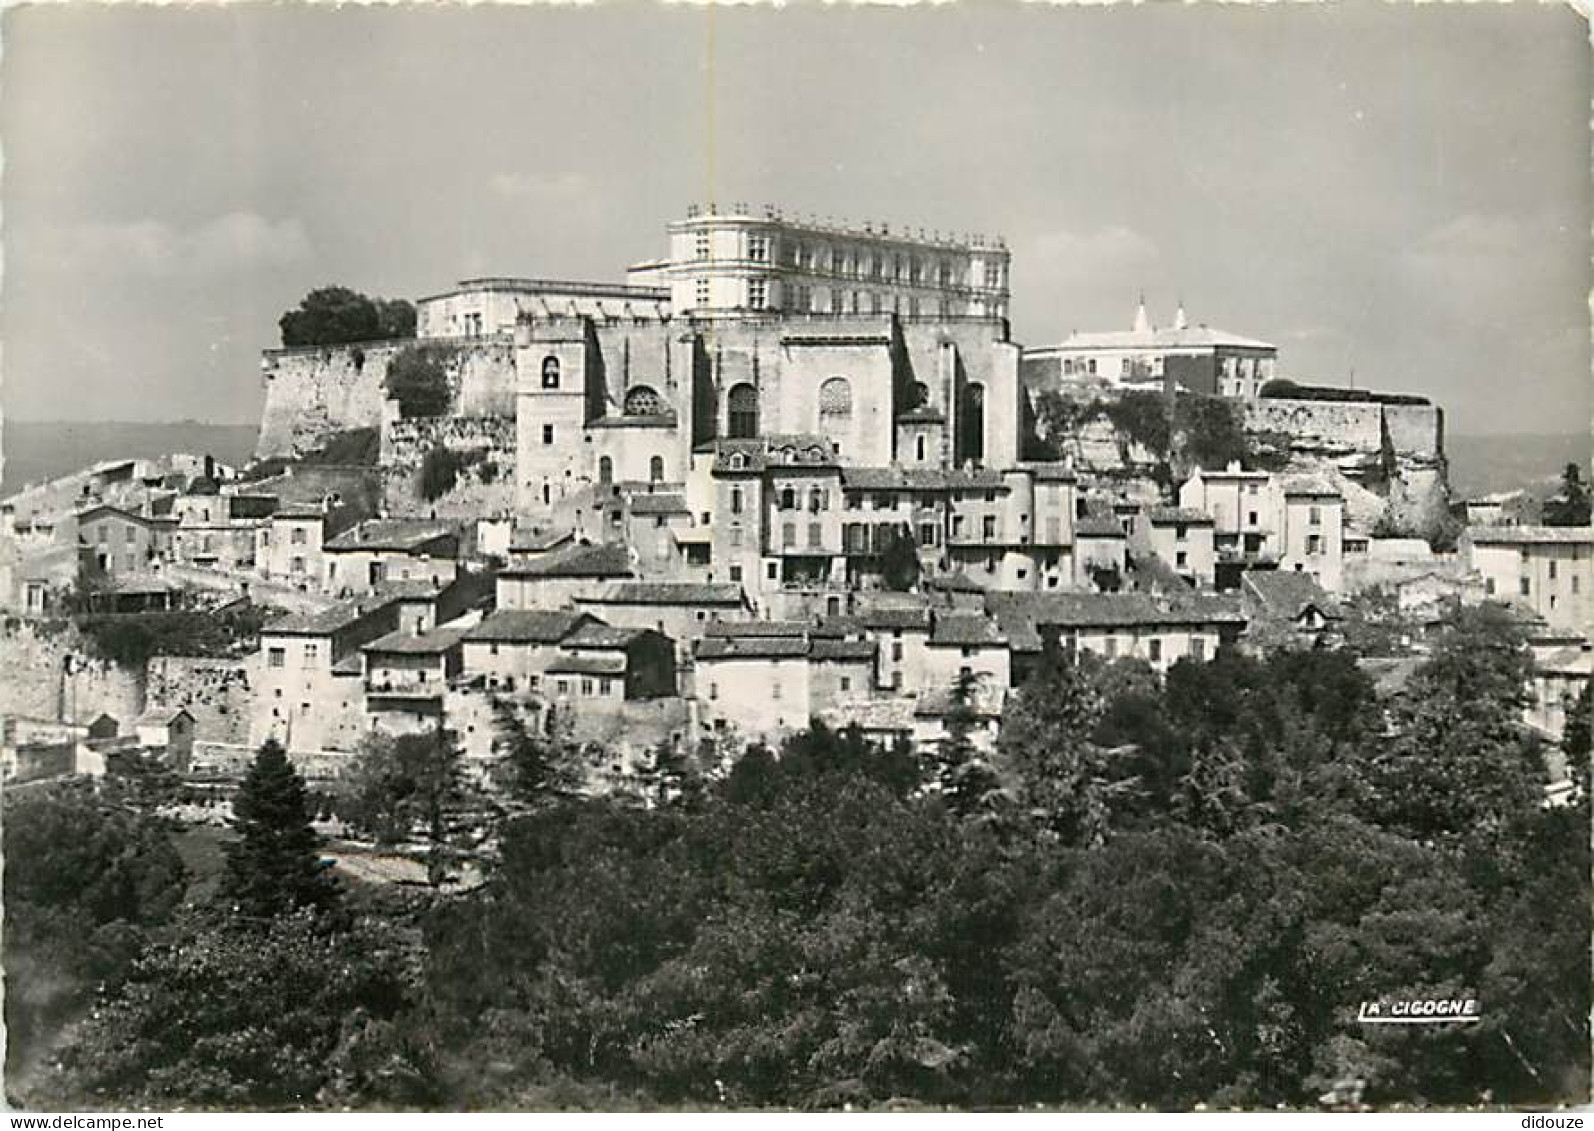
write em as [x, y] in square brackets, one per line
[927, 534]
[547, 433]
[788, 534]
[846, 683]
[736, 574]
[1574, 583]
[296, 565]
[586, 687]
[816, 536]
[1181, 559]
[298, 536]
[1488, 586]
[772, 570]
[736, 536]
[1552, 571]
[550, 372]
[276, 657]
[1525, 587]
[1314, 516]
[656, 469]
[1198, 650]
[756, 293]
[701, 293]
[564, 687]
[701, 245]
[896, 649]
[1314, 543]
[758, 248]
[1111, 647]
[774, 689]
[736, 500]
[896, 681]
[988, 527]
[713, 691]
[818, 500]
[1154, 650]
[1250, 518]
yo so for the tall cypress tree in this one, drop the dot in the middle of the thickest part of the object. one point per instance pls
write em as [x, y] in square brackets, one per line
[275, 864]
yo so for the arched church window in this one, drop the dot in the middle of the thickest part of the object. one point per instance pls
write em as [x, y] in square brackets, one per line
[644, 401]
[550, 372]
[742, 412]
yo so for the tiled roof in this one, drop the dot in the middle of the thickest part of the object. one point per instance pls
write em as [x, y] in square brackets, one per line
[1287, 593]
[391, 534]
[965, 629]
[1189, 516]
[607, 559]
[752, 647]
[536, 541]
[526, 626]
[1530, 535]
[406, 589]
[919, 479]
[823, 649]
[894, 714]
[432, 643]
[668, 593]
[659, 503]
[888, 616]
[325, 621]
[600, 664]
[749, 629]
[1108, 610]
[595, 634]
[958, 582]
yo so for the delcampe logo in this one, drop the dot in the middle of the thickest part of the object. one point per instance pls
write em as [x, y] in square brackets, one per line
[1420, 1011]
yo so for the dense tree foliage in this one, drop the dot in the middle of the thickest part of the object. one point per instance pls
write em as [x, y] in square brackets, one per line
[1569, 506]
[131, 639]
[86, 878]
[899, 558]
[335, 316]
[275, 866]
[1158, 889]
[284, 1014]
[417, 378]
[1184, 429]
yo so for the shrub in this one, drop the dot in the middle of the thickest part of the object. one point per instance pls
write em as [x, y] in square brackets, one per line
[417, 378]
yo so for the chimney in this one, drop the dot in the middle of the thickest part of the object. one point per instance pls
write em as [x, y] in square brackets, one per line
[210, 466]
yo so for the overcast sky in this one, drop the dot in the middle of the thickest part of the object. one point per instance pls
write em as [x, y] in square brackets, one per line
[1402, 190]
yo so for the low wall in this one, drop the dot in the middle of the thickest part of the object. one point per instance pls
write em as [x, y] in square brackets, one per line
[231, 761]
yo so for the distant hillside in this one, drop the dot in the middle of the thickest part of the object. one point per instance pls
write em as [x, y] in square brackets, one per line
[1480, 465]
[43, 449]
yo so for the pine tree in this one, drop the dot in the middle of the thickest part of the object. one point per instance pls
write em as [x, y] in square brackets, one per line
[275, 865]
[537, 767]
[966, 779]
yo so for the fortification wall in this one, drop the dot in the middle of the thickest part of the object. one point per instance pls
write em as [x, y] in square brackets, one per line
[314, 392]
[1327, 428]
[1416, 432]
[215, 691]
[483, 488]
[33, 681]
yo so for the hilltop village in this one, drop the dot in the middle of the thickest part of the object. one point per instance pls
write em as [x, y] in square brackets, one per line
[790, 471]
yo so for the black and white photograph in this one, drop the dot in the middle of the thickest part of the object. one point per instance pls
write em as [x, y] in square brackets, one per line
[650, 557]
